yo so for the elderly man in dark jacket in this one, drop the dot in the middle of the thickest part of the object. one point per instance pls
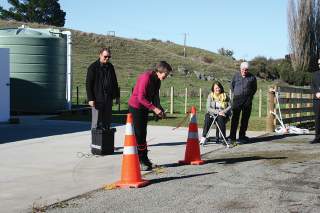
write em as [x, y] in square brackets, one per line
[243, 87]
[102, 88]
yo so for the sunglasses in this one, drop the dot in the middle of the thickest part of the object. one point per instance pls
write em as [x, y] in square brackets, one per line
[107, 56]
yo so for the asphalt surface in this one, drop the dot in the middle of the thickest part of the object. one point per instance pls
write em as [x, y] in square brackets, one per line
[45, 165]
[274, 174]
[43, 161]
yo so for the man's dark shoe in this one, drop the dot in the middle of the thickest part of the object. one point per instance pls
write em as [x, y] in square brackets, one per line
[145, 167]
[146, 164]
[232, 142]
[315, 141]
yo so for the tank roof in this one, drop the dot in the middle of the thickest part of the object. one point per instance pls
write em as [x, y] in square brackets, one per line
[24, 31]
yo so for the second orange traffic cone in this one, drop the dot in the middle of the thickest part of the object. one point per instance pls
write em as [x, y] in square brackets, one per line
[130, 173]
[192, 154]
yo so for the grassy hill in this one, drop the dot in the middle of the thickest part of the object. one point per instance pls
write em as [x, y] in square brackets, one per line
[132, 56]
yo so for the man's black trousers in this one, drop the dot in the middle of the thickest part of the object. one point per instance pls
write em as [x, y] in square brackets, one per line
[316, 109]
[245, 112]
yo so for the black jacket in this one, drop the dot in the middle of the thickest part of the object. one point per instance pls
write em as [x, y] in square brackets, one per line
[243, 89]
[315, 85]
[101, 82]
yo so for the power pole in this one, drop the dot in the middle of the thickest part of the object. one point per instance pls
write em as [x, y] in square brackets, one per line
[184, 44]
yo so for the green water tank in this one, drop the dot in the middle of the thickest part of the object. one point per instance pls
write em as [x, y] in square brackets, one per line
[38, 67]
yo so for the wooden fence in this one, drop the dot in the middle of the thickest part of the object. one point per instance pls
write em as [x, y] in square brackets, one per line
[295, 105]
[200, 96]
[175, 101]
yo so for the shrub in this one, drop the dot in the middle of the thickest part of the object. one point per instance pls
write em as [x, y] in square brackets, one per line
[207, 59]
[225, 52]
[155, 40]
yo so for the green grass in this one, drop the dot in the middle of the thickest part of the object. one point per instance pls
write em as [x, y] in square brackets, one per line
[174, 120]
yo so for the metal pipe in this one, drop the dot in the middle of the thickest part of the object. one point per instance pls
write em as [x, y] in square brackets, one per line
[69, 70]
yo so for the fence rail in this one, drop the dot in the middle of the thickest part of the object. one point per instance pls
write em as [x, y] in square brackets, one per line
[176, 101]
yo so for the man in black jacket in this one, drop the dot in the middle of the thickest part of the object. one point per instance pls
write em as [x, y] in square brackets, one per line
[315, 86]
[102, 88]
[243, 87]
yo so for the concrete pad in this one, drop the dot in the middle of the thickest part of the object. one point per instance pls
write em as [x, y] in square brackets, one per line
[50, 165]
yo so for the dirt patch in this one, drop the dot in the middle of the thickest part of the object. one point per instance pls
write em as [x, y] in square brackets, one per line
[236, 205]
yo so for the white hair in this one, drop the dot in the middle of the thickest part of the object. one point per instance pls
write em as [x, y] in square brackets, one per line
[244, 65]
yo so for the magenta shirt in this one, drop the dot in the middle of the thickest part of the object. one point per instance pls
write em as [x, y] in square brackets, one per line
[146, 88]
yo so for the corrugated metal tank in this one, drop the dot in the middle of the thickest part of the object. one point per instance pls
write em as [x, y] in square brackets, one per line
[38, 66]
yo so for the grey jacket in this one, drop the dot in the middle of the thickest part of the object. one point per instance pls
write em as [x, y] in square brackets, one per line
[212, 109]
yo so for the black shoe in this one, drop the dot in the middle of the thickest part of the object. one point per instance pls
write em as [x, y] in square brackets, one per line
[145, 167]
[315, 141]
[150, 163]
[146, 164]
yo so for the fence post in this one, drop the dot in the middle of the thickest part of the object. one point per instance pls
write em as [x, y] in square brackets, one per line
[288, 106]
[200, 99]
[299, 95]
[171, 100]
[77, 96]
[186, 101]
[270, 117]
[260, 103]
[292, 106]
[309, 104]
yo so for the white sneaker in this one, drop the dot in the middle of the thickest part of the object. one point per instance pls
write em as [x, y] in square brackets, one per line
[203, 141]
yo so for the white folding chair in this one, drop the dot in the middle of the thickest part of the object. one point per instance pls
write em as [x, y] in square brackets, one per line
[214, 122]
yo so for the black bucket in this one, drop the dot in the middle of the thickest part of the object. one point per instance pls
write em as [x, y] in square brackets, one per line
[102, 141]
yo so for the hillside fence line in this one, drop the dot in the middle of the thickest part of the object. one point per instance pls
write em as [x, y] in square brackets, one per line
[174, 100]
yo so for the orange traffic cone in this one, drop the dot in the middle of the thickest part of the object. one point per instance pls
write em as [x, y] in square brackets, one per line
[130, 174]
[192, 154]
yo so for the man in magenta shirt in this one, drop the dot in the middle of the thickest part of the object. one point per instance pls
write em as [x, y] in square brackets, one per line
[145, 98]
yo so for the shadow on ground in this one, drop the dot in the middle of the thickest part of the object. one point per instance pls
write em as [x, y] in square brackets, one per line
[265, 138]
[169, 144]
[233, 160]
[241, 159]
[166, 179]
[38, 128]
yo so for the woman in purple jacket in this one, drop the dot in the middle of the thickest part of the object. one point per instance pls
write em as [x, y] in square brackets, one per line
[145, 98]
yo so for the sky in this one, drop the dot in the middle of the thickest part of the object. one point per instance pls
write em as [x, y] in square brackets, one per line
[249, 28]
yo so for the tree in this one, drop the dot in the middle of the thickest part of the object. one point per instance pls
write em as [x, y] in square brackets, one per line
[265, 68]
[304, 34]
[39, 11]
[225, 52]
